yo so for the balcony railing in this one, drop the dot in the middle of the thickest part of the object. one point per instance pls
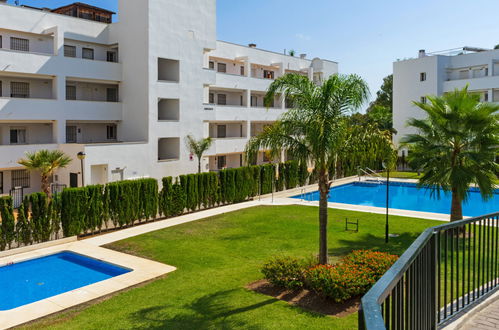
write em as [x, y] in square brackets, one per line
[448, 270]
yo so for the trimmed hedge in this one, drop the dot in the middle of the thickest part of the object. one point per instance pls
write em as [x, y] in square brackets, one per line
[89, 209]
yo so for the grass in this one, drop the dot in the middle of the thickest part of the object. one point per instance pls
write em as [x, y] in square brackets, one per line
[216, 257]
[402, 175]
[413, 175]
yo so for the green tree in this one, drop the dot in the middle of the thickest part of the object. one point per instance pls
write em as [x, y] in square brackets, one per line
[312, 132]
[455, 146]
[46, 162]
[198, 147]
[380, 110]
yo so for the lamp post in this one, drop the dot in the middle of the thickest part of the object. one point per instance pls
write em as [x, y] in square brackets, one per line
[387, 199]
[81, 156]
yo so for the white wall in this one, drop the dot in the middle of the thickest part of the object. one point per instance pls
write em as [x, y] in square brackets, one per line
[35, 133]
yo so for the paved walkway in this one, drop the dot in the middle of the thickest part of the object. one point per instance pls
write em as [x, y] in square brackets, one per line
[486, 319]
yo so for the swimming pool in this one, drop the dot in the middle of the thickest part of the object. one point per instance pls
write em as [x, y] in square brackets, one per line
[36, 279]
[405, 196]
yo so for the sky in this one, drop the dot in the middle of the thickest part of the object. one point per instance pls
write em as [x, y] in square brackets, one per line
[364, 36]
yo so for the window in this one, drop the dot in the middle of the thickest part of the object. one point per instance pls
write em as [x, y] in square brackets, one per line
[221, 131]
[221, 99]
[20, 178]
[111, 132]
[254, 101]
[19, 44]
[221, 162]
[222, 67]
[87, 53]
[19, 89]
[486, 97]
[423, 99]
[112, 94]
[70, 134]
[1, 88]
[18, 135]
[463, 74]
[211, 65]
[267, 74]
[422, 76]
[241, 100]
[112, 56]
[242, 71]
[0, 41]
[70, 92]
[1, 182]
[69, 51]
[241, 160]
[212, 98]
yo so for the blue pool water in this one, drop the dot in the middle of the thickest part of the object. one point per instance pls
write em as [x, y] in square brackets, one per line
[406, 196]
[29, 281]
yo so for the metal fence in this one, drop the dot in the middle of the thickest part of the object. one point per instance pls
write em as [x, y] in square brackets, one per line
[57, 188]
[17, 195]
[448, 270]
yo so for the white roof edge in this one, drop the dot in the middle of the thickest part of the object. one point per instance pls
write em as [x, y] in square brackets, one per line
[273, 52]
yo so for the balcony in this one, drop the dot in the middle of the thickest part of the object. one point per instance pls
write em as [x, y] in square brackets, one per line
[12, 153]
[47, 64]
[483, 83]
[227, 146]
[213, 112]
[92, 110]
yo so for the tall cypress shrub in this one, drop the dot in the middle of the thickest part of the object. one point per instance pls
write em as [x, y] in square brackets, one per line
[95, 208]
[8, 222]
[178, 201]
[73, 211]
[40, 217]
[55, 215]
[165, 198]
[149, 198]
[23, 226]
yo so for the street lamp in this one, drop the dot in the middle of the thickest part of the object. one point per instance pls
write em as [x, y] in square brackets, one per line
[81, 156]
[387, 199]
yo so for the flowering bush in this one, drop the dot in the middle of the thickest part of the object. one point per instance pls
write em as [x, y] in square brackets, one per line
[286, 272]
[353, 276]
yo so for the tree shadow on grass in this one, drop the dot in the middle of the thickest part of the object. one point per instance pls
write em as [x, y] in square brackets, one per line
[395, 245]
[211, 310]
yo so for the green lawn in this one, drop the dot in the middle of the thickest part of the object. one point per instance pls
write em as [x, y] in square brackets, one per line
[217, 257]
[402, 175]
[412, 175]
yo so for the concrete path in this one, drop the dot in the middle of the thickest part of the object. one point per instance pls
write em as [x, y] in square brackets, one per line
[486, 319]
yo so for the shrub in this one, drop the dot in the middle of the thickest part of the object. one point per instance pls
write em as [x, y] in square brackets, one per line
[286, 272]
[353, 276]
[8, 223]
[23, 226]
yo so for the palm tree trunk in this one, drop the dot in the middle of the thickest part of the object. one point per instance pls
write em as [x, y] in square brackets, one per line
[324, 190]
[46, 185]
[456, 211]
[199, 165]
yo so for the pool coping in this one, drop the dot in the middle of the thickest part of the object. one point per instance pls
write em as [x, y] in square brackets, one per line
[287, 198]
[143, 270]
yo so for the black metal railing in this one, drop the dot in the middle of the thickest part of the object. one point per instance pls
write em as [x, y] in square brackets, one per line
[17, 194]
[57, 188]
[446, 271]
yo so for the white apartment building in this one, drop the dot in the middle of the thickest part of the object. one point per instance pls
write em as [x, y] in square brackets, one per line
[439, 73]
[127, 94]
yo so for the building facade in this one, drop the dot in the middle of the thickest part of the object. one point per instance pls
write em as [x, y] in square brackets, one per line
[126, 94]
[436, 74]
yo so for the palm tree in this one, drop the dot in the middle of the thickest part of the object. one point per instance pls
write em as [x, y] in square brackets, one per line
[46, 162]
[314, 130]
[198, 147]
[455, 146]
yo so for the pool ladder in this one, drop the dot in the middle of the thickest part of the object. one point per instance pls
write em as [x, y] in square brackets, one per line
[371, 174]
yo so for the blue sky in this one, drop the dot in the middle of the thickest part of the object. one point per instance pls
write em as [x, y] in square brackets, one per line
[364, 36]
